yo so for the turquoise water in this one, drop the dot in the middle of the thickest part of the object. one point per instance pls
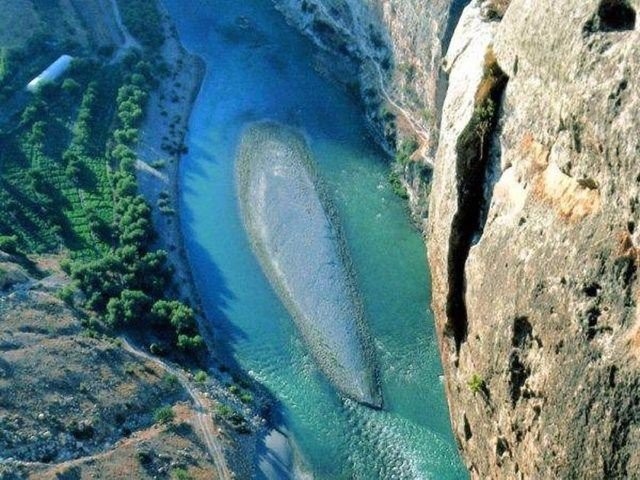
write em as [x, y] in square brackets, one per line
[260, 68]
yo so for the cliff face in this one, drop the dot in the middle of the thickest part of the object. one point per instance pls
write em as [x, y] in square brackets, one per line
[532, 229]
[392, 52]
[548, 321]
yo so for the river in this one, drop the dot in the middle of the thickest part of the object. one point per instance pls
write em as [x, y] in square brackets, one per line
[260, 68]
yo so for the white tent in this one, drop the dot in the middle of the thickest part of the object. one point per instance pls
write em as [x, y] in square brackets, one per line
[52, 72]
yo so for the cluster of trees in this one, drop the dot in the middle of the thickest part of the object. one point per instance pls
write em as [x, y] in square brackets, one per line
[143, 20]
[127, 285]
[74, 155]
[33, 156]
[66, 180]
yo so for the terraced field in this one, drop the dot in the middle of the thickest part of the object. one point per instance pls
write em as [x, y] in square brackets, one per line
[47, 204]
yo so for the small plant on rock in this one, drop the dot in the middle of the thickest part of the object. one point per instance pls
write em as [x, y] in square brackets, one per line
[476, 384]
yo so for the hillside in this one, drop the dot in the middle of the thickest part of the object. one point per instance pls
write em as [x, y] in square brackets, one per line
[82, 264]
[80, 405]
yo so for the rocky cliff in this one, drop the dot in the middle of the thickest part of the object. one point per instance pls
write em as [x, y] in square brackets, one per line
[392, 53]
[532, 229]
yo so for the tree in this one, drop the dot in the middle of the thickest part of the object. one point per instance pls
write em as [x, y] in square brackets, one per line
[130, 307]
[174, 313]
[185, 342]
[70, 86]
[164, 414]
[9, 244]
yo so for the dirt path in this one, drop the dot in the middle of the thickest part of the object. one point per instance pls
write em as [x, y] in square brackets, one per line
[129, 41]
[208, 432]
[203, 418]
[421, 132]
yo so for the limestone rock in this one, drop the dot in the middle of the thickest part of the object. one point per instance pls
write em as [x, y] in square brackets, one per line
[550, 283]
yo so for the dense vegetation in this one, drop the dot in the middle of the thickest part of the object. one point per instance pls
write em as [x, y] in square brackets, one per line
[143, 21]
[67, 180]
[403, 158]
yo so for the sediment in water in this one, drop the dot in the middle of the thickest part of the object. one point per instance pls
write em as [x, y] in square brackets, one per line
[303, 254]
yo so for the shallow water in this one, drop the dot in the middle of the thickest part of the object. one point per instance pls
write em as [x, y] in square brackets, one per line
[303, 254]
[265, 70]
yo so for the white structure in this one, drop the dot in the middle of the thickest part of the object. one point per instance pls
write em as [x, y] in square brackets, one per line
[52, 72]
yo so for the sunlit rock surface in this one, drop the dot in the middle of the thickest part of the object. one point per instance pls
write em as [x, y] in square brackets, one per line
[302, 252]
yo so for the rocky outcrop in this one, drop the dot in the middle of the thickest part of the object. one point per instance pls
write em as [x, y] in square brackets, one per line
[533, 224]
[542, 366]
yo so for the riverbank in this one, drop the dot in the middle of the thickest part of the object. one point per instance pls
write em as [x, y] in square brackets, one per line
[160, 150]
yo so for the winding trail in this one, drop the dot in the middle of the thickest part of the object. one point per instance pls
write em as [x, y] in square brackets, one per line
[203, 418]
[421, 132]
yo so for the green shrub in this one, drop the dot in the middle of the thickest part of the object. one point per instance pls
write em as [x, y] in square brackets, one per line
[186, 342]
[130, 307]
[476, 384]
[67, 293]
[70, 86]
[407, 148]
[201, 376]
[171, 380]
[396, 185]
[224, 411]
[164, 415]
[9, 244]
[174, 313]
[181, 474]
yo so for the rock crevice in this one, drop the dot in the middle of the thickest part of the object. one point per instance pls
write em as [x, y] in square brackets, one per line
[473, 152]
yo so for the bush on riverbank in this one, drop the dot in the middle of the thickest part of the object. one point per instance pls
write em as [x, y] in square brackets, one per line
[143, 20]
[127, 284]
